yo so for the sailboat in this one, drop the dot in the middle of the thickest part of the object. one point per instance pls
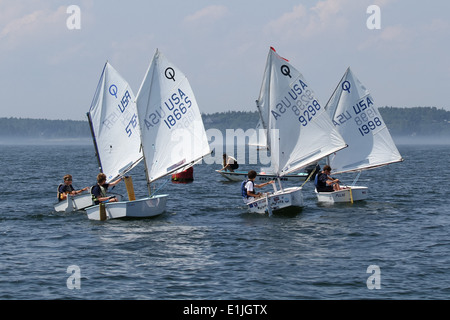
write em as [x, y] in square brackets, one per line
[259, 140]
[117, 151]
[74, 202]
[238, 175]
[300, 132]
[116, 137]
[370, 145]
[172, 136]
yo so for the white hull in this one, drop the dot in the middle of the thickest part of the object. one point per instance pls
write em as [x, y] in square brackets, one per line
[288, 197]
[350, 195]
[78, 202]
[74, 203]
[262, 177]
[142, 208]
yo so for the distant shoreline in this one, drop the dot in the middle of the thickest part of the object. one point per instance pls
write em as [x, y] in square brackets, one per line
[23, 141]
[406, 125]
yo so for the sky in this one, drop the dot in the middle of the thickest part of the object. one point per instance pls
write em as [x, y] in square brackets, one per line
[51, 56]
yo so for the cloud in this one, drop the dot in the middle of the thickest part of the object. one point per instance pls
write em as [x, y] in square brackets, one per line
[207, 15]
[394, 34]
[32, 27]
[325, 12]
[399, 37]
[383, 3]
[288, 21]
[438, 25]
[328, 16]
[388, 40]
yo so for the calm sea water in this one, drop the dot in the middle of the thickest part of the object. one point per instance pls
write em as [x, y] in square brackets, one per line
[206, 246]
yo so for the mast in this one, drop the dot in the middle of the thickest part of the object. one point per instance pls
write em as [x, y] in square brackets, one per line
[147, 177]
[95, 142]
[97, 90]
[146, 169]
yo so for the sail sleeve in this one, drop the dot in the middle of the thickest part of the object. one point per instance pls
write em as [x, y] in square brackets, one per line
[114, 124]
[172, 131]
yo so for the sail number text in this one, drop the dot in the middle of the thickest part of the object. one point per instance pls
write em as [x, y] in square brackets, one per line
[178, 104]
[124, 102]
[309, 113]
[301, 101]
[364, 115]
[175, 110]
[370, 126]
[127, 117]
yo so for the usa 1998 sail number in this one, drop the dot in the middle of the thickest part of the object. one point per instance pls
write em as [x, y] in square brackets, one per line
[366, 117]
[370, 126]
[178, 104]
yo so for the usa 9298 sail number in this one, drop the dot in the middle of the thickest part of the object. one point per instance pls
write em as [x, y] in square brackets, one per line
[309, 113]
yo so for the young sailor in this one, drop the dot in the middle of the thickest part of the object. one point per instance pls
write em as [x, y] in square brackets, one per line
[248, 187]
[66, 188]
[99, 190]
[326, 183]
[229, 163]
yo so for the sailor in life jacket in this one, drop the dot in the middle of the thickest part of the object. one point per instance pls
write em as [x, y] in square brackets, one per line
[324, 182]
[99, 190]
[248, 187]
[229, 163]
[66, 188]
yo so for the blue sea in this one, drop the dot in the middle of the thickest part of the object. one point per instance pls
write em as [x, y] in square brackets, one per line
[206, 246]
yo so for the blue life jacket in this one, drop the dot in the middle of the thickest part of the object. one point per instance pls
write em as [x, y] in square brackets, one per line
[316, 179]
[244, 189]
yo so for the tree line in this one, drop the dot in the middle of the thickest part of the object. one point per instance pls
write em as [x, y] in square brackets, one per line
[418, 121]
[43, 129]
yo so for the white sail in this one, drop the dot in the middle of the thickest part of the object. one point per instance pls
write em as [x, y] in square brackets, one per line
[358, 120]
[263, 106]
[259, 138]
[172, 131]
[300, 131]
[114, 124]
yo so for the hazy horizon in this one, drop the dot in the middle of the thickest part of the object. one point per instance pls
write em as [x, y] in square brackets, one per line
[399, 140]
